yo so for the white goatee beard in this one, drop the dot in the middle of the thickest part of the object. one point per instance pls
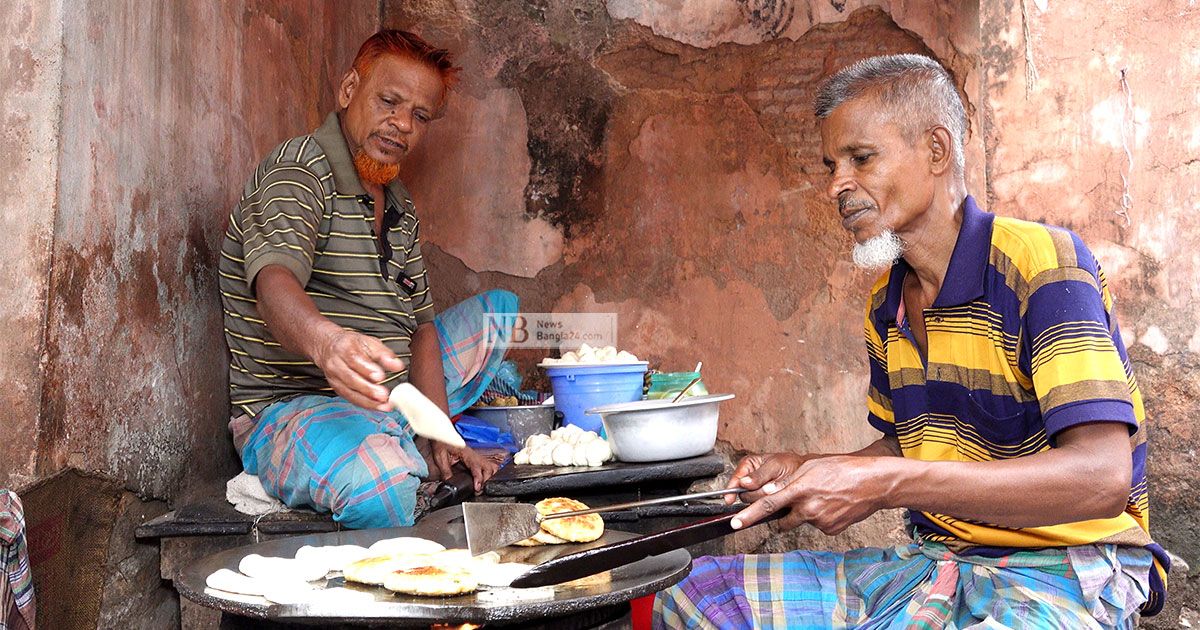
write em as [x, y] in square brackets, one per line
[878, 252]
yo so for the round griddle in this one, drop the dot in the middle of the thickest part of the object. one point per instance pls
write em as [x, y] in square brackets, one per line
[446, 527]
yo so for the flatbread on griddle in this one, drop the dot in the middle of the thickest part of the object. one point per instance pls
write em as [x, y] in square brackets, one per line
[373, 570]
[585, 528]
[431, 581]
[542, 537]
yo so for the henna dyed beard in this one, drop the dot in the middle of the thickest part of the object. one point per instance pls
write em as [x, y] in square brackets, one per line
[373, 171]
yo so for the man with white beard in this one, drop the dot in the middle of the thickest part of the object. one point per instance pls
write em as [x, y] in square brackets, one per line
[1013, 432]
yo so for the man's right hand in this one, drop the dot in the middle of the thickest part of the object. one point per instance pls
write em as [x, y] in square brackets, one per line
[355, 364]
[764, 474]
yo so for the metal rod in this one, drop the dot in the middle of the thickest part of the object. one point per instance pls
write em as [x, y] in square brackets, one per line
[684, 391]
[633, 504]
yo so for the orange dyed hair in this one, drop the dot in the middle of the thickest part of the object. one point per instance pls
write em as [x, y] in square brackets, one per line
[406, 44]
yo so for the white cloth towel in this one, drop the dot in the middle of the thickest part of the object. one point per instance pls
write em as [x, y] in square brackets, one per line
[247, 495]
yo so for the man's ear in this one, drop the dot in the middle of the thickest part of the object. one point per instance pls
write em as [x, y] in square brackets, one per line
[941, 152]
[347, 89]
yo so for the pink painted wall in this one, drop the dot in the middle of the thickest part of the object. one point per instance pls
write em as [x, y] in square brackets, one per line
[165, 109]
[29, 103]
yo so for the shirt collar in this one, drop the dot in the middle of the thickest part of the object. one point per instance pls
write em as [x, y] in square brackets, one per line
[964, 277]
[345, 177]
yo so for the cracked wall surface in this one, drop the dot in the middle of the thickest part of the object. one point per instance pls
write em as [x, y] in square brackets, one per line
[29, 108]
[165, 109]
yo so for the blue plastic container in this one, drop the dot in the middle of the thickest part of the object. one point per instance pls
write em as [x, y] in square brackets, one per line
[578, 388]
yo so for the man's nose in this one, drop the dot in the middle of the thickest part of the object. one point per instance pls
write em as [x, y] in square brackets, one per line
[840, 183]
[401, 120]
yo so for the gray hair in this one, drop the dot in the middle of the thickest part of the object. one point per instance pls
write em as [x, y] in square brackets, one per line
[916, 88]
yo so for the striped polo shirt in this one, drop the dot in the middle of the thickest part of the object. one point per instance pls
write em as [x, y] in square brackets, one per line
[305, 209]
[1022, 344]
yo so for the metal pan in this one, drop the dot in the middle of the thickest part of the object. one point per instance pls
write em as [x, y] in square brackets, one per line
[446, 527]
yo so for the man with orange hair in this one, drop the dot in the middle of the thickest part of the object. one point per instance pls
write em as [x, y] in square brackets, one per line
[327, 303]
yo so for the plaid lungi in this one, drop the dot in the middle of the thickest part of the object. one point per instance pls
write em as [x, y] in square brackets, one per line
[920, 585]
[327, 454]
[16, 582]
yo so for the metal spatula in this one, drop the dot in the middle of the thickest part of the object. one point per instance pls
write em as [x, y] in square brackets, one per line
[494, 525]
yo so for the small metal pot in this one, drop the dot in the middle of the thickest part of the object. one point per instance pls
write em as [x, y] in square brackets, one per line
[659, 430]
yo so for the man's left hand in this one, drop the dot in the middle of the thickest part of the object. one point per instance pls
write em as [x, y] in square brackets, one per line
[830, 493]
[482, 468]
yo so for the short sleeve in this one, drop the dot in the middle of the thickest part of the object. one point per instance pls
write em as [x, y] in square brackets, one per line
[879, 391]
[414, 268]
[1075, 363]
[278, 221]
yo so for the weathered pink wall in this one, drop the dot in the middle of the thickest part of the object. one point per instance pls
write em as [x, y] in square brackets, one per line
[165, 109]
[29, 106]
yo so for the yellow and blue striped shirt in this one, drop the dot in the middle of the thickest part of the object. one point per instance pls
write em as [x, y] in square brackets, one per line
[1022, 344]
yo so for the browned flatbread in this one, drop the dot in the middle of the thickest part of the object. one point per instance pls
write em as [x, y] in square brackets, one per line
[543, 537]
[585, 528]
[373, 570]
[441, 581]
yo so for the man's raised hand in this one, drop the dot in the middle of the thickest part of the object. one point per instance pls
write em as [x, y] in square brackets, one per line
[355, 364]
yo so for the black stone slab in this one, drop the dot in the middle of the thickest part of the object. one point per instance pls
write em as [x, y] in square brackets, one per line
[513, 480]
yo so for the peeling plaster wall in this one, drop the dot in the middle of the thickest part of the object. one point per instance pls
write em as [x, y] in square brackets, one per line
[166, 107]
[29, 106]
[1057, 152]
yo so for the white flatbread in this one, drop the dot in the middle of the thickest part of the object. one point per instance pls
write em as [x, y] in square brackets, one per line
[405, 545]
[234, 582]
[336, 557]
[289, 569]
[290, 592]
[425, 418]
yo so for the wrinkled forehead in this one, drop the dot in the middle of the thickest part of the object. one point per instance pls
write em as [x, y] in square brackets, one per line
[864, 119]
[405, 77]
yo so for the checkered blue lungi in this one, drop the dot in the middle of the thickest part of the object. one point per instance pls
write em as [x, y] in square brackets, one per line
[915, 586]
[327, 454]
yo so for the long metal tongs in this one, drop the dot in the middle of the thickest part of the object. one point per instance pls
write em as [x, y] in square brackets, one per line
[494, 525]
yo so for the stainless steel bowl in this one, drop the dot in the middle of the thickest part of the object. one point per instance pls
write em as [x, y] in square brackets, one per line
[659, 430]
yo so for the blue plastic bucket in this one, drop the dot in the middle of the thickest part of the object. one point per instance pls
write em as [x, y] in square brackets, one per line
[578, 388]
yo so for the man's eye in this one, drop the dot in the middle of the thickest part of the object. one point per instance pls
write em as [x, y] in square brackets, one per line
[861, 159]
[421, 116]
[388, 101]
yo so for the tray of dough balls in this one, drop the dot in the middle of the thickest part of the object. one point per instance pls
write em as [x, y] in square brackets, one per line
[421, 574]
[569, 458]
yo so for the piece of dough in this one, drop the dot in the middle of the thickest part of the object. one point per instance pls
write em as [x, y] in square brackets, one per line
[405, 545]
[584, 528]
[336, 557]
[266, 568]
[425, 418]
[234, 582]
[290, 592]
[441, 581]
